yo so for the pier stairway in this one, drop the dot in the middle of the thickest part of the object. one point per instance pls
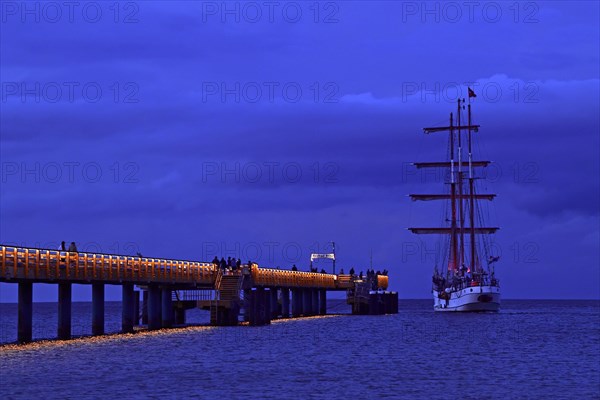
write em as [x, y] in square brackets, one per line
[225, 307]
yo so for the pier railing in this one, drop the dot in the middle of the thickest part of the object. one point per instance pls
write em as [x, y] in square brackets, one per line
[192, 295]
[283, 278]
[45, 265]
[19, 263]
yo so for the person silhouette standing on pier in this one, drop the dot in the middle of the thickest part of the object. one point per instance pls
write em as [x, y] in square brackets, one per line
[63, 246]
[72, 248]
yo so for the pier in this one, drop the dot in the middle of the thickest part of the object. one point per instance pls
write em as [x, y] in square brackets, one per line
[170, 287]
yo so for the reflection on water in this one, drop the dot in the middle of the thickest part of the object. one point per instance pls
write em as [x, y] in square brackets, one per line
[531, 349]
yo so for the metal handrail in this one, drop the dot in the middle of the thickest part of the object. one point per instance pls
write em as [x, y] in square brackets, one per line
[35, 264]
[56, 265]
[284, 278]
[192, 295]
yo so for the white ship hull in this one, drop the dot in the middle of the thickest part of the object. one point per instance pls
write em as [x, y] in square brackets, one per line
[475, 298]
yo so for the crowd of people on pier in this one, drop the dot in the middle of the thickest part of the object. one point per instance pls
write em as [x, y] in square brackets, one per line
[72, 247]
[229, 265]
[232, 264]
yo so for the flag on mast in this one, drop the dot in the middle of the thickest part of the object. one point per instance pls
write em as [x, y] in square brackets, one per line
[493, 259]
[471, 93]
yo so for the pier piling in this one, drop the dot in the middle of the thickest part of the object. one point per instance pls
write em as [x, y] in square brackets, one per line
[274, 303]
[127, 308]
[25, 318]
[322, 302]
[250, 311]
[306, 302]
[154, 307]
[145, 307]
[247, 304]
[167, 308]
[296, 302]
[266, 310]
[64, 311]
[179, 317]
[315, 301]
[285, 303]
[97, 309]
[136, 308]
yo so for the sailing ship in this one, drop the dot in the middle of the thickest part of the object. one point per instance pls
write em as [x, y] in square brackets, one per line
[465, 281]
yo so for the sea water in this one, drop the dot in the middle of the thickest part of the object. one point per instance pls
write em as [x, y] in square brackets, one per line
[529, 350]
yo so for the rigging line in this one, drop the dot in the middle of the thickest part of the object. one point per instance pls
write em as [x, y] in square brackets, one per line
[485, 240]
[441, 240]
[485, 209]
[442, 253]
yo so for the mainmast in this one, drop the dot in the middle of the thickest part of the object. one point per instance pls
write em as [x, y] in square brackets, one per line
[453, 244]
[460, 193]
[471, 196]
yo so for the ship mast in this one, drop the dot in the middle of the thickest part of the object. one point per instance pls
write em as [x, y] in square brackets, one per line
[471, 196]
[456, 195]
[453, 244]
[460, 194]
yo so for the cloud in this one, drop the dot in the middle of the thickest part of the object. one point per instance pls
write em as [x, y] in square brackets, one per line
[178, 161]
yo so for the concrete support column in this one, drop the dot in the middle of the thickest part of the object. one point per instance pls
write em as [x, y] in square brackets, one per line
[179, 316]
[25, 321]
[315, 301]
[296, 302]
[266, 299]
[259, 307]
[373, 304]
[267, 310]
[145, 307]
[247, 304]
[154, 307]
[64, 311]
[127, 308]
[259, 303]
[97, 309]
[167, 308]
[274, 303]
[251, 301]
[322, 302]
[285, 303]
[306, 302]
[136, 308]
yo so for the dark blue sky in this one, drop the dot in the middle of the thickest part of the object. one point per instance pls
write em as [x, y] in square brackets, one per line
[182, 129]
